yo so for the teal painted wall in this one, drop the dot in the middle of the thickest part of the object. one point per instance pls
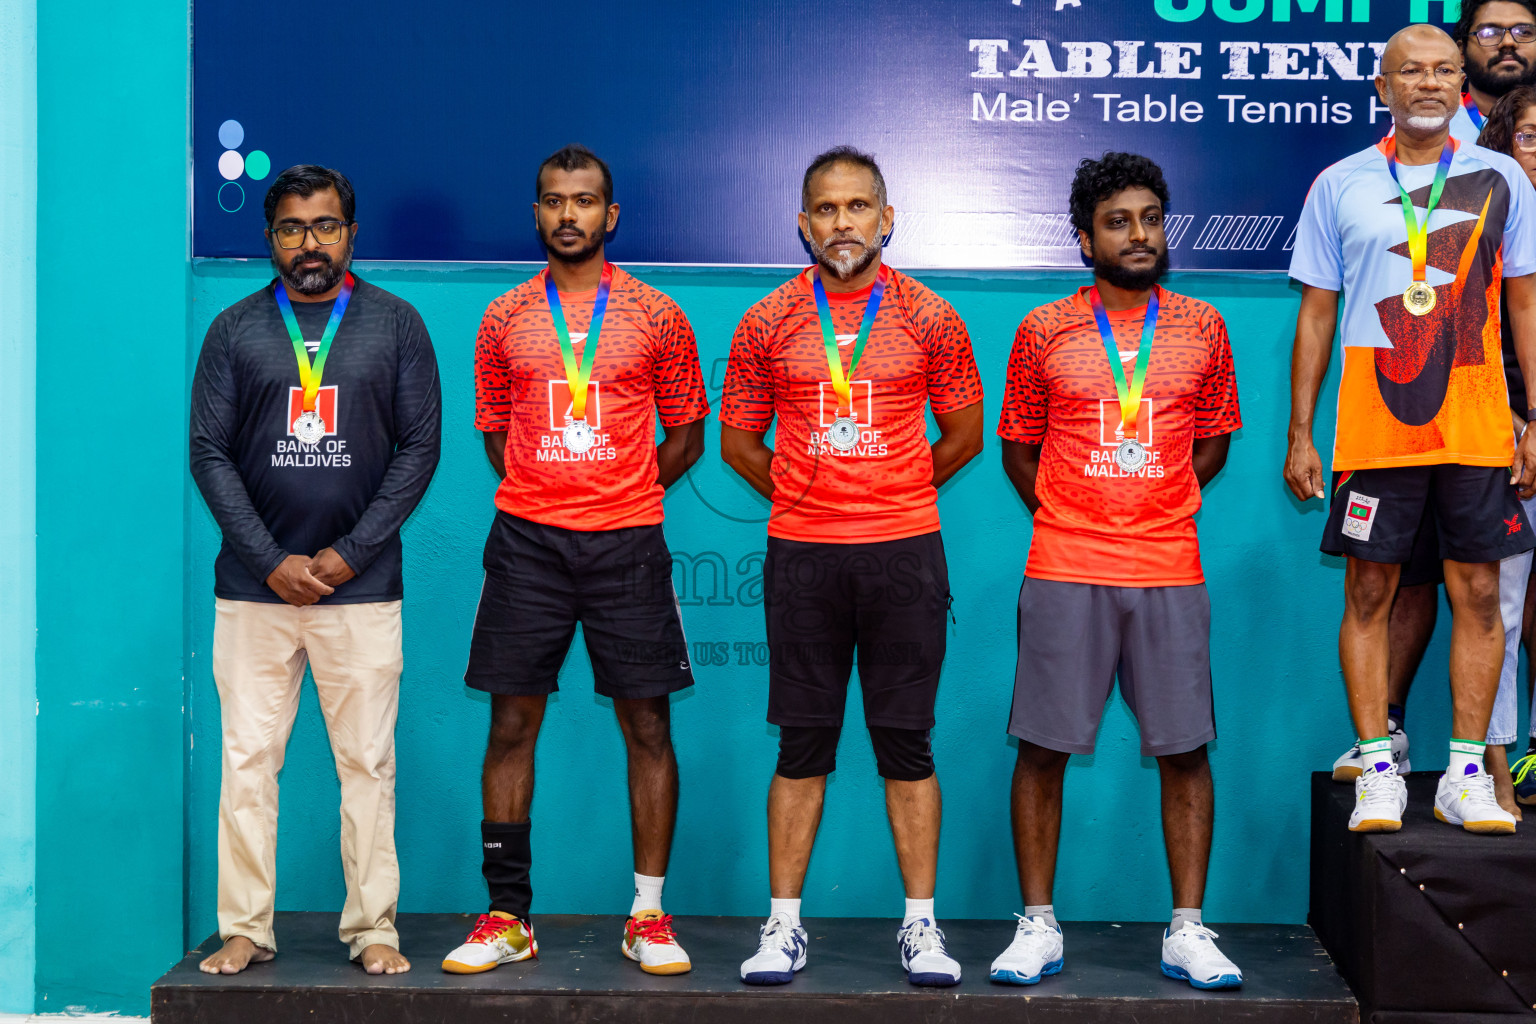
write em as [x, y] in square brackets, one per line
[112, 302]
[1280, 705]
[18, 489]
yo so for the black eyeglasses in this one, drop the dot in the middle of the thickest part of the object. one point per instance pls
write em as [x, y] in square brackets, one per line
[1493, 35]
[291, 236]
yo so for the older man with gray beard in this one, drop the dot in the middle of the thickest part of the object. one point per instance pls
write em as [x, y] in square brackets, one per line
[1423, 420]
[848, 355]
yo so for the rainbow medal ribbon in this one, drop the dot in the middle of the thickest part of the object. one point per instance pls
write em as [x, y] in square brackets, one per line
[1131, 454]
[844, 432]
[1419, 297]
[578, 435]
[309, 428]
[1472, 111]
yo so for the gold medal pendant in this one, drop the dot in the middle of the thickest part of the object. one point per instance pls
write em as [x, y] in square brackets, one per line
[1418, 298]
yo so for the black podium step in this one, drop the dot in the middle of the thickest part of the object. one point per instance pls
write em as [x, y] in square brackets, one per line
[1431, 925]
[1111, 975]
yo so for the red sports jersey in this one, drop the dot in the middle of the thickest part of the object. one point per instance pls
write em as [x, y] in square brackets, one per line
[647, 362]
[918, 353]
[1096, 523]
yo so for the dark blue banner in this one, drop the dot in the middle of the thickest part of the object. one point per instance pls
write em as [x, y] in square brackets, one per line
[978, 111]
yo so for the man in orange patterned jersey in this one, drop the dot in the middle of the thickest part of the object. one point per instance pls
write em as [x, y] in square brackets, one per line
[1423, 410]
[848, 356]
[573, 368]
[1121, 402]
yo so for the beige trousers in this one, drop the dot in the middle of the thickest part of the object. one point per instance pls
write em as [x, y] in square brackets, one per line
[259, 654]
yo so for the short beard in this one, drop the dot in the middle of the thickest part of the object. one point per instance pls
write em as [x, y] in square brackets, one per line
[320, 280]
[1423, 123]
[581, 255]
[849, 265]
[1485, 81]
[1131, 280]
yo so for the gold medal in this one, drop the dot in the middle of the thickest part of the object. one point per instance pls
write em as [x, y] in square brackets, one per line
[1418, 298]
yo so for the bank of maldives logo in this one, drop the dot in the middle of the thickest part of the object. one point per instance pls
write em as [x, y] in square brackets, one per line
[325, 405]
[863, 403]
[1111, 431]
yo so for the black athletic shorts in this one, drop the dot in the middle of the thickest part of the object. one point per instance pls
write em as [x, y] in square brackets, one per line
[1377, 513]
[887, 601]
[1424, 564]
[541, 580]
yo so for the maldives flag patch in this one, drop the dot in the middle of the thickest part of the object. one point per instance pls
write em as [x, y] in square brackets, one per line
[1359, 516]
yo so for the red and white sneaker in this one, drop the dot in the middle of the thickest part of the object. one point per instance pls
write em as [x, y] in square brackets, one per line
[498, 938]
[650, 941]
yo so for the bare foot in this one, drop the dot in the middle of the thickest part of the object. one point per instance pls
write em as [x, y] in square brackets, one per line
[1496, 764]
[234, 956]
[381, 959]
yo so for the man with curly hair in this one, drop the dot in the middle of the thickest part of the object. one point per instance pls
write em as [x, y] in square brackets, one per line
[1120, 405]
[1423, 416]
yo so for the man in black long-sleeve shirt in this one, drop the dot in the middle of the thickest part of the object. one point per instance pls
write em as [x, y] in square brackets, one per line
[316, 420]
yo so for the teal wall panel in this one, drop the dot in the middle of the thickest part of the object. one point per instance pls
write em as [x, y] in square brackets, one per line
[1280, 705]
[112, 294]
[18, 490]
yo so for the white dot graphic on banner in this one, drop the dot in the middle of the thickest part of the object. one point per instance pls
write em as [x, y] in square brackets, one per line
[231, 134]
[231, 165]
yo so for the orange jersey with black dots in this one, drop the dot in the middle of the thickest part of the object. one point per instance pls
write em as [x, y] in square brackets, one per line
[918, 354]
[647, 364]
[1097, 523]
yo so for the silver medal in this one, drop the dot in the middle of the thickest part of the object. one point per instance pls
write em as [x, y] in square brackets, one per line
[578, 436]
[1130, 455]
[309, 428]
[844, 434]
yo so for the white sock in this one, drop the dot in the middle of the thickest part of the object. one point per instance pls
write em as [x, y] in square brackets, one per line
[1376, 754]
[1045, 910]
[1183, 915]
[647, 893]
[785, 908]
[917, 909]
[1466, 758]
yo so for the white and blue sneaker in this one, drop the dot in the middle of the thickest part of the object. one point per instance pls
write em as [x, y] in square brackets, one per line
[923, 956]
[1036, 951]
[780, 953]
[1190, 955]
[1350, 765]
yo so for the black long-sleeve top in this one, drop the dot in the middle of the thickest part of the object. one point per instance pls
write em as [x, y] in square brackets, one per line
[273, 496]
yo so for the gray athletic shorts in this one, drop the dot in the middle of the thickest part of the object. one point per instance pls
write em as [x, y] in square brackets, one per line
[1075, 637]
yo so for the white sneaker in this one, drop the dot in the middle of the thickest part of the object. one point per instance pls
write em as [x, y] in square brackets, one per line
[1036, 950]
[780, 953]
[1380, 798]
[1190, 955]
[1349, 765]
[923, 956]
[1469, 802]
[497, 938]
[651, 942]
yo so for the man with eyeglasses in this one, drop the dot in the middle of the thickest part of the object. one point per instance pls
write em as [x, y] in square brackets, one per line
[316, 417]
[1498, 46]
[1423, 420]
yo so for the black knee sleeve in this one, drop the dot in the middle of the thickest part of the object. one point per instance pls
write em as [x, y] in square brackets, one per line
[807, 751]
[903, 755]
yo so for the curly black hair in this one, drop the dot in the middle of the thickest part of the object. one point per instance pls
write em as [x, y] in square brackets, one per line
[574, 157]
[1097, 180]
[1469, 11]
[1499, 129]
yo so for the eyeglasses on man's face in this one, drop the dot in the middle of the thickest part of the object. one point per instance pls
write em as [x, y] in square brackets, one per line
[1493, 35]
[291, 236]
[1444, 74]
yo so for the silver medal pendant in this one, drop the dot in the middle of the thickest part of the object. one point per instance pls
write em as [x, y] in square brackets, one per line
[843, 434]
[578, 437]
[309, 428]
[1131, 455]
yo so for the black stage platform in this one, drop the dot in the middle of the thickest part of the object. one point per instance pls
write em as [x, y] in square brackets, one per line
[1111, 975]
[1431, 925]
